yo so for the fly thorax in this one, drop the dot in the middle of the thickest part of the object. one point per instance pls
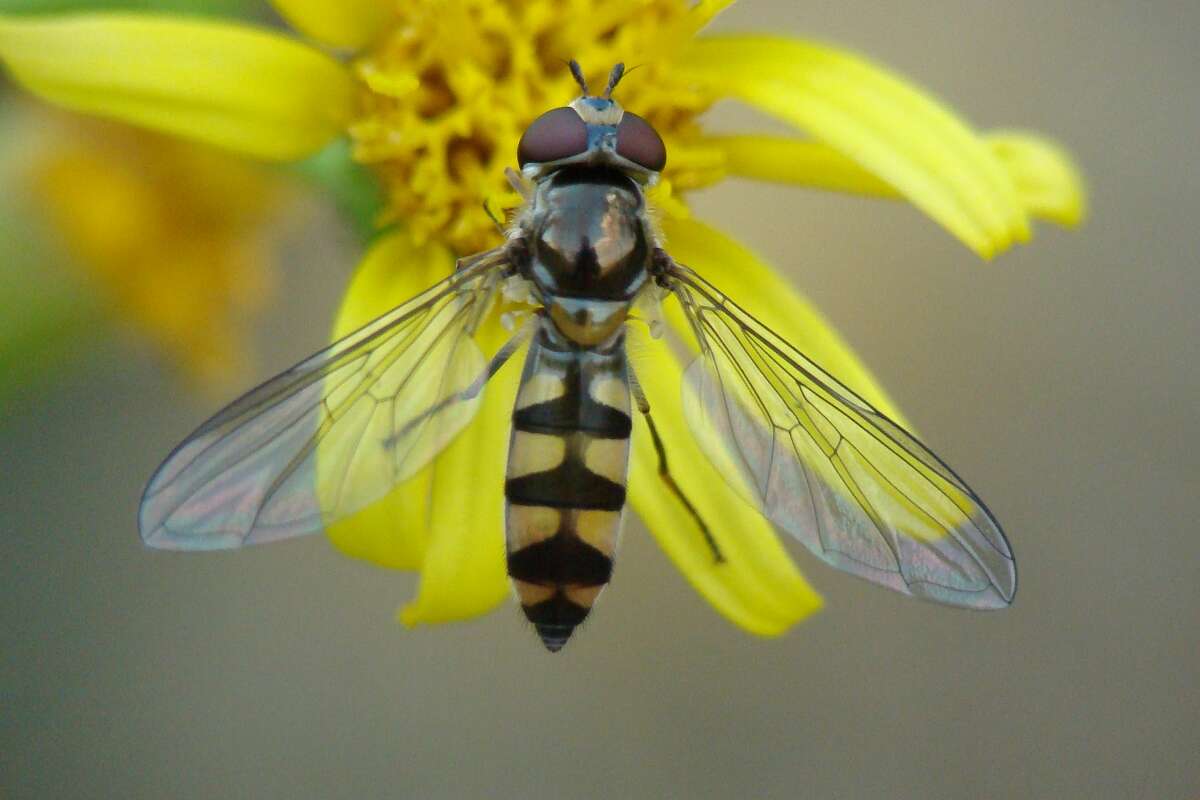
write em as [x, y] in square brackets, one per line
[586, 322]
[589, 236]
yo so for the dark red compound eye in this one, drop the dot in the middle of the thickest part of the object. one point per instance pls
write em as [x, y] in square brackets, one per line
[559, 133]
[640, 143]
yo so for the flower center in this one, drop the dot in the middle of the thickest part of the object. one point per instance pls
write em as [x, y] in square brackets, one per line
[449, 90]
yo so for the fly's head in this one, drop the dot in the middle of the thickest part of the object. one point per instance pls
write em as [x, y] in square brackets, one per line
[592, 130]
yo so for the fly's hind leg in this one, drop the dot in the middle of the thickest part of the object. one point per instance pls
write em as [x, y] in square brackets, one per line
[664, 469]
[472, 390]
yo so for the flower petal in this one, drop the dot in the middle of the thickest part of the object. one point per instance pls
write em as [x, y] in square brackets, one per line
[234, 86]
[738, 272]
[392, 532]
[448, 519]
[756, 586]
[797, 161]
[172, 234]
[886, 125]
[1047, 180]
[347, 23]
[464, 573]
[1048, 184]
[704, 12]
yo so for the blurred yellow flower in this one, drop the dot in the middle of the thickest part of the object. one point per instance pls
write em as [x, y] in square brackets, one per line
[172, 233]
[171, 236]
[434, 96]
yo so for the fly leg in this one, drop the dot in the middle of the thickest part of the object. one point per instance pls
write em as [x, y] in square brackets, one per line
[664, 469]
[518, 184]
[487, 209]
[471, 391]
[494, 210]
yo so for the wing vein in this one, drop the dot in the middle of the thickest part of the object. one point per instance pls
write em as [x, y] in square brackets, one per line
[860, 491]
[241, 477]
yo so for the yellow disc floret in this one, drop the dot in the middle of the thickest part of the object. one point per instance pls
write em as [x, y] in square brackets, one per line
[449, 89]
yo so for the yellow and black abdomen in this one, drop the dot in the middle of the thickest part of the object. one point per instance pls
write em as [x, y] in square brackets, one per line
[565, 487]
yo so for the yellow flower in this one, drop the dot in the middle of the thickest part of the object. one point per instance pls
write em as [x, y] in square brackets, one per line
[169, 235]
[434, 96]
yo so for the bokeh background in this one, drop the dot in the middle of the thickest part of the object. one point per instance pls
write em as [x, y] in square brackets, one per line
[1062, 380]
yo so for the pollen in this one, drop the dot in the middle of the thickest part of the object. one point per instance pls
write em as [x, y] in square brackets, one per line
[448, 90]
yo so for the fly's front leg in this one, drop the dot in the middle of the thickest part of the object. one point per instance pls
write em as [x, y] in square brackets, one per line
[519, 184]
[493, 208]
[487, 209]
[660, 267]
[664, 469]
[517, 251]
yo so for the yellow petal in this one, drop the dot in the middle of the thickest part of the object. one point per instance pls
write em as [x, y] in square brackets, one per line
[447, 520]
[889, 127]
[797, 161]
[351, 24]
[704, 12]
[463, 574]
[756, 586]
[233, 86]
[391, 532]
[744, 277]
[1047, 182]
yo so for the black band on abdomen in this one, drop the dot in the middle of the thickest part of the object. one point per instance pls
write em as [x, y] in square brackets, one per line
[563, 559]
[574, 413]
[569, 485]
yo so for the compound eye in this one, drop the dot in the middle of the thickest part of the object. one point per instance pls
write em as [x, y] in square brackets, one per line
[640, 143]
[559, 133]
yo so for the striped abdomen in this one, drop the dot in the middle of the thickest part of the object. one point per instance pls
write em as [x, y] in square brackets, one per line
[567, 464]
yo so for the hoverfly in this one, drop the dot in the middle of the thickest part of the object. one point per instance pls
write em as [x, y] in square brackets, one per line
[814, 458]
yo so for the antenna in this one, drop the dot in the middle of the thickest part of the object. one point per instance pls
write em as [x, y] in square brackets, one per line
[578, 73]
[614, 78]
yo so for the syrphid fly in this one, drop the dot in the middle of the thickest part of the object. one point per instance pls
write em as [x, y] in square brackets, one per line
[375, 407]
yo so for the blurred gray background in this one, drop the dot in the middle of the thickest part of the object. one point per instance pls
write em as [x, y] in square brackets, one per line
[1062, 380]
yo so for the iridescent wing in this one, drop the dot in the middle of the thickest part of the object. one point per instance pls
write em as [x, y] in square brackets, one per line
[333, 433]
[819, 462]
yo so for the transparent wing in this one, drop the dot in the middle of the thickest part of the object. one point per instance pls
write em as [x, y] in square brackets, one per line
[819, 462]
[333, 433]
